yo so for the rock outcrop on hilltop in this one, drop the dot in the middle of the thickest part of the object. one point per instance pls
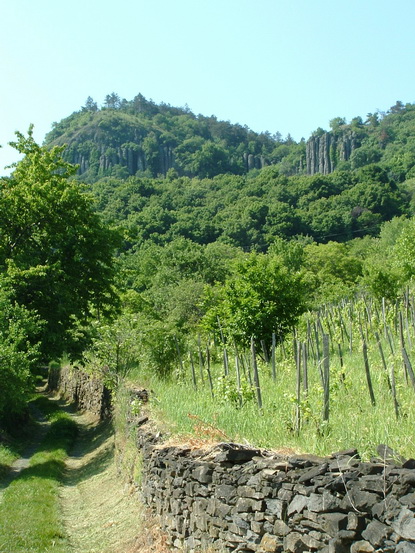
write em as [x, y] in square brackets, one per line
[323, 152]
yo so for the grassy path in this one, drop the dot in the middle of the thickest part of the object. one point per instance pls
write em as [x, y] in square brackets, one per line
[52, 502]
[29, 510]
[41, 427]
[99, 513]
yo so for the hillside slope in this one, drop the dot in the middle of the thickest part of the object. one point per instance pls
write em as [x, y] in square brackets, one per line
[138, 137]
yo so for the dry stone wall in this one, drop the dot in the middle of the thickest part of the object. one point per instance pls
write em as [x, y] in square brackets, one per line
[88, 394]
[232, 498]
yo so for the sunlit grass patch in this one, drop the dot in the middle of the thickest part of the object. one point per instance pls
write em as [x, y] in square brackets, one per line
[29, 507]
[292, 412]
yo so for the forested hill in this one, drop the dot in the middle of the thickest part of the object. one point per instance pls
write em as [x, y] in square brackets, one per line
[139, 137]
[162, 173]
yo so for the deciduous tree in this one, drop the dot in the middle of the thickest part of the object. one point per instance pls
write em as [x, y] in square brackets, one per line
[55, 253]
[263, 296]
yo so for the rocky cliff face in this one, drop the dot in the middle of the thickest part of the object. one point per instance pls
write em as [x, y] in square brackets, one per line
[134, 159]
[324, 152]
[253, 162]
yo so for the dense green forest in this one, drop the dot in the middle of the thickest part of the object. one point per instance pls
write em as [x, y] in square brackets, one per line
[140, 138]
[174, 226]
[163, 172]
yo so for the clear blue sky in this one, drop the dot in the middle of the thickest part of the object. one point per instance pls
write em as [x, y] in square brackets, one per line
[279, 65]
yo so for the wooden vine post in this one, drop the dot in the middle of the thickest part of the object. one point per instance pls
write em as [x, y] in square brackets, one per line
[201, 362]
[274, 372]
[192, 365]
[208, 371]
[256, 375]
[326, 377]
[298, 398]
[368, 377]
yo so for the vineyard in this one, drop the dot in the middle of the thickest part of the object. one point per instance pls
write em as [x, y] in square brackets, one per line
[343, 378]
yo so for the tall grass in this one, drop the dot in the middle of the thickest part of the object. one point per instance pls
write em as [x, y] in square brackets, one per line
[354, 419]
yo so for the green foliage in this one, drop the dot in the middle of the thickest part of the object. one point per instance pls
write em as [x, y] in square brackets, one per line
[382, 280]
[227, 391]
[335, 269]
[54, 250]
[261, 297]
[29, 513]
[251, 212]
[291, 252]
[169, 280]
[404, 251]
[163, 299]
[139, 137]
[384, 272]
[210, 160]
[18, 355]
[337, 123]
[161, 348]
[164, 137]
[221, 413]
[115, 350]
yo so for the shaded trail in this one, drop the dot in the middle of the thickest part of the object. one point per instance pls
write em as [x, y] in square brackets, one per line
[42, 427]
[99, 512]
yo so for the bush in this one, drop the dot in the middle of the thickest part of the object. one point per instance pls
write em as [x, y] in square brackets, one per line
[17, 357]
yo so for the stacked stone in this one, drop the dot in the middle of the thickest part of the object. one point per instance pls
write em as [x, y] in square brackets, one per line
[88, 394]
[238, 499]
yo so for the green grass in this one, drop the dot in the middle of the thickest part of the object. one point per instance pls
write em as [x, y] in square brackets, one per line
[29, 510]
[19, 434]
[353, 422]
[9, 452]
[13, 440]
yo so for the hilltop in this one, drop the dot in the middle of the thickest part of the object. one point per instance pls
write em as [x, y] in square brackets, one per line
[141, 138]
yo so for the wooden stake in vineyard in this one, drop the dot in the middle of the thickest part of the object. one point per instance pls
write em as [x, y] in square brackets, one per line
[405, 366]
[193, 371]
[208, 371]
[326, 377]
[274, 373]
[382, 356]
[342, 373]
[256, 375]
[201, 362]
[408, 366]
[305, 368]
[238, 376]
[298, 403]
[393, 388]
[368, 378]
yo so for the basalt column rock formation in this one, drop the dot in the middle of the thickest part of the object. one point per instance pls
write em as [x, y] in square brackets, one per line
[325, 151]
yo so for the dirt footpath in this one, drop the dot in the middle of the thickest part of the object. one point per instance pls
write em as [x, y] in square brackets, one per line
[100, 514]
